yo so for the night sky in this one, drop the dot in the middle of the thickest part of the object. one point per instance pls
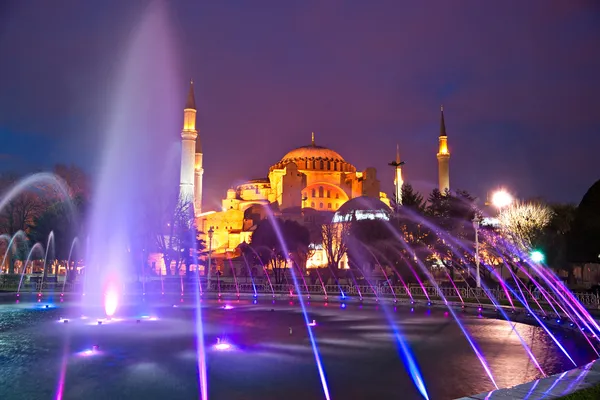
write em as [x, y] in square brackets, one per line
[519, 81]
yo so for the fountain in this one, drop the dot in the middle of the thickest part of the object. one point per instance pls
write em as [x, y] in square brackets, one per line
[158, 359]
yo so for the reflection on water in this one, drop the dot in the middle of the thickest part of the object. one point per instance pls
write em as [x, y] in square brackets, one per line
[154, 359]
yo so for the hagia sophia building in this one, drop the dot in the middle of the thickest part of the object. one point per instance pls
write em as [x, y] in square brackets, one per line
[309, 184]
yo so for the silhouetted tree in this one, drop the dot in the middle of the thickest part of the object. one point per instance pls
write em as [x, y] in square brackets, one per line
[272, 251]
[19, 215]
[584, 238]
[412, 199]
[452, 215]
[334, 237]
[64, 218]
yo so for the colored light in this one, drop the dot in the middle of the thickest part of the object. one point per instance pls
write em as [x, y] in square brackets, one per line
[501, 198]
[537, 256]
[227, 307]
[222, 346]
[111, 301]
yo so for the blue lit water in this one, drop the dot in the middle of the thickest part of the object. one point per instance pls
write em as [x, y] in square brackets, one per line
[155, 359]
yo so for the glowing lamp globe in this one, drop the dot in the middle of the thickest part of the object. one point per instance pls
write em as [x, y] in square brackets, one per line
[111, 301]
[537, 256]
[501, 199]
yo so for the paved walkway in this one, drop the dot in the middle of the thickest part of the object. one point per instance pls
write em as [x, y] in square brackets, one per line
[553, 387]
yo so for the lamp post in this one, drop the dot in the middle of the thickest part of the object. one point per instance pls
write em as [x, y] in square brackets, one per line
[476, 226]
[397, 164]
[210, 236]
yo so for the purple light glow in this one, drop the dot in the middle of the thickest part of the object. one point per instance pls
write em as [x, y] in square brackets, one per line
[222, 346]
[227, 307]
[89, 353]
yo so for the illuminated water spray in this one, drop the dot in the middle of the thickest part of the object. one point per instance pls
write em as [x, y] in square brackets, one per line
[111, 300]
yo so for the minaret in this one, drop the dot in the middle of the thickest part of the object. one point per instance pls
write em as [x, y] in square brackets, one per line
[198, 173]
[188, 147]
[398, 181]
[443, 157]
[313, 140]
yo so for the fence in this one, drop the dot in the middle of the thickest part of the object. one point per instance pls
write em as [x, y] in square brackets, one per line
[471, 295]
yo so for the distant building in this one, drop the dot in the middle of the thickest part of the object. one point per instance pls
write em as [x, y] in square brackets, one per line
[308, 184]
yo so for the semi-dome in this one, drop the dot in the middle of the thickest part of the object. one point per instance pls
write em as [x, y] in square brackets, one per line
[362, 207]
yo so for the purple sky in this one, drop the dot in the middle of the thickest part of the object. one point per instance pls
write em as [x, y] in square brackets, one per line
[519, 81]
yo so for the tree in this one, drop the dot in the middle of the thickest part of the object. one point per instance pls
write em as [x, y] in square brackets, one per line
[174, 234]
[334, 237]
[523, 224]
[584, 238]
[19, 214]
[411, 199]
[553, 241]
[64, 219]
[452, 215]
[270, 249]
[77, 181]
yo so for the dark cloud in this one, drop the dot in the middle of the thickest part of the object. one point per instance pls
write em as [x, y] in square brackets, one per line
[519, 82]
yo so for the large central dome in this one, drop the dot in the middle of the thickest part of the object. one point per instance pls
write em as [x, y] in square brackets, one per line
[312, 151]
[315, 158]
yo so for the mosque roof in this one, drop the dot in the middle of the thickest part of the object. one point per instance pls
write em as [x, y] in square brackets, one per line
[312, 151]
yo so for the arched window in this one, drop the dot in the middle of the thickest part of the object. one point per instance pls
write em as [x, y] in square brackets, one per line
[320, 191]
[320, 205]
[337, 205]
[314, 164]
[337, 195]
[321, 164]
[314, 193]
[328, 193]
[329, 205]
[328, 165]
[312, 204]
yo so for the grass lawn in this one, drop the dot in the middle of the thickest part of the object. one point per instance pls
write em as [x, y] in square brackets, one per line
[592, 393]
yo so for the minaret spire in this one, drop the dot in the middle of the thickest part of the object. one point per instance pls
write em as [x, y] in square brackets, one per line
[443, 157]
[313, 139]
[442, 123]
[397, 153]
[190, 103]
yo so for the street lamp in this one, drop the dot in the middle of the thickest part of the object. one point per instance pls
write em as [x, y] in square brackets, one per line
[210, 236]
[501, 198]
[537, 256]
[476, 222]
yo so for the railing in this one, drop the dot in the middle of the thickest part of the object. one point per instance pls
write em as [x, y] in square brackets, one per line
[38, 286]
[383, 290]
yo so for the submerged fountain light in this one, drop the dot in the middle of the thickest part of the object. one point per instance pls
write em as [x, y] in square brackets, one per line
[222, 346]
[111, 301]
[313, 323]
[227, 307]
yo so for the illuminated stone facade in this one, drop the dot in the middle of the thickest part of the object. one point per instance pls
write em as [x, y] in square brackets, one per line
[308, 177]
[308, 183]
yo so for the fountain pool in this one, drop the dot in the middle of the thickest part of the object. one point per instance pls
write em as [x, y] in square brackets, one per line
[260, 351]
